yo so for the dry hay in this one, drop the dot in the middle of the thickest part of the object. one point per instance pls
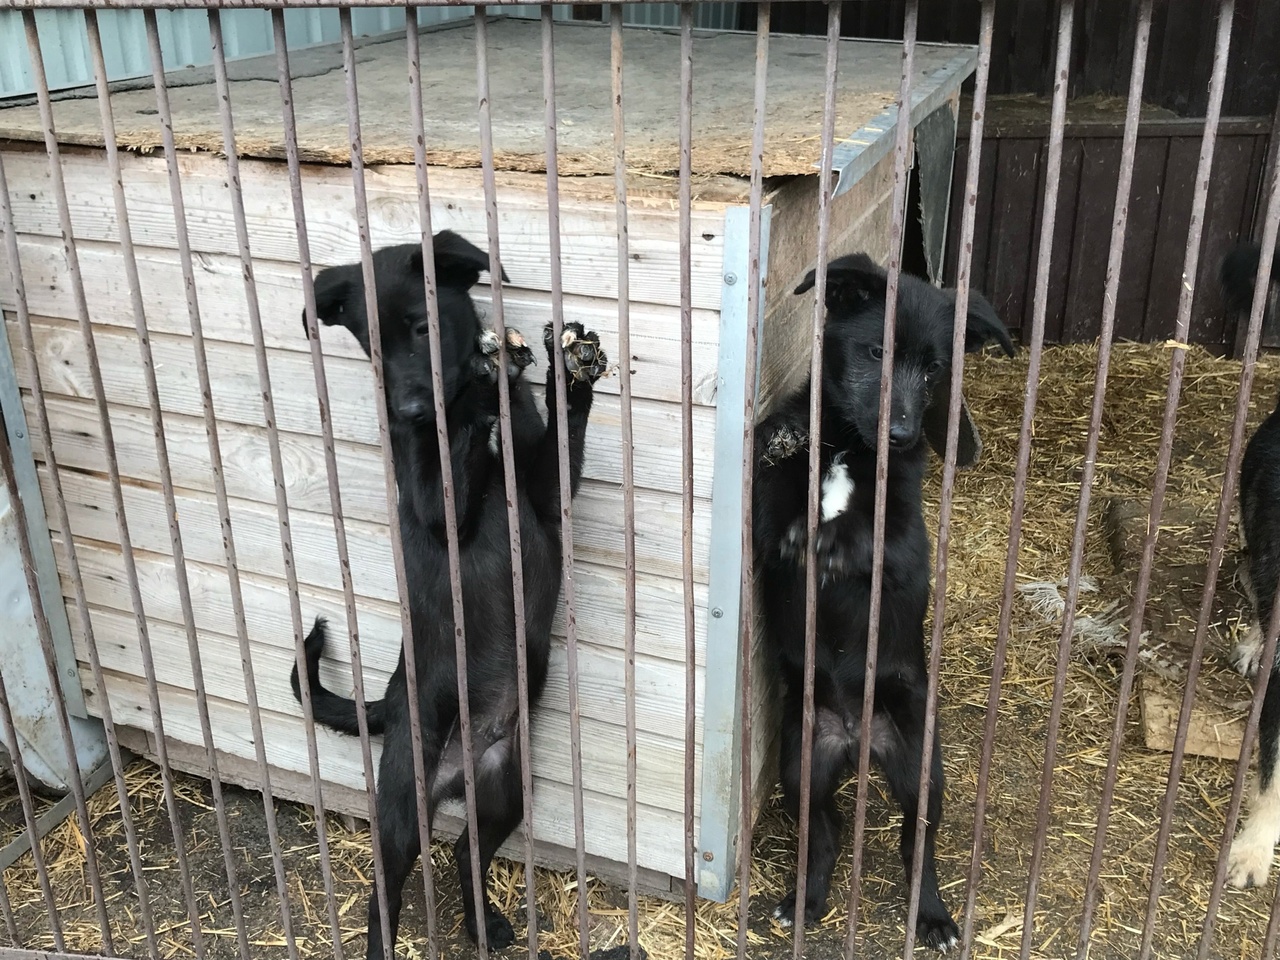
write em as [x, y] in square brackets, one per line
[995, 389]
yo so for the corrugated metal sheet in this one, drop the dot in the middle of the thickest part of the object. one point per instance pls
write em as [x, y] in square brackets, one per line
[184, 36]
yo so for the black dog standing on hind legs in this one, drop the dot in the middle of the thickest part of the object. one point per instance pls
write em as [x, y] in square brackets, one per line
[470, 376]
[1254, 846]
[853, 351]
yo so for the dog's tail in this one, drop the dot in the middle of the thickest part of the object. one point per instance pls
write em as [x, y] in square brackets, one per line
[337, 713]
[1240, 272]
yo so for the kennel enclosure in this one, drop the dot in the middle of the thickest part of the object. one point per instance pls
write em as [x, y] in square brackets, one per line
[860, 217]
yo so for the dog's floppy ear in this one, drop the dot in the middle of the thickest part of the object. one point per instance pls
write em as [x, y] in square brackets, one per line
[459, 262]
[339, 300]
[969, 447]
[850, 279]
[983, 325]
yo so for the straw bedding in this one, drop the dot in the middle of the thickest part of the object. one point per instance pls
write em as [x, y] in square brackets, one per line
[995, 390]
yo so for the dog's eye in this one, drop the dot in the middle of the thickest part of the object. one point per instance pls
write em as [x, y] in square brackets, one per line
[933, 369]
[877, 352]
[421, 328]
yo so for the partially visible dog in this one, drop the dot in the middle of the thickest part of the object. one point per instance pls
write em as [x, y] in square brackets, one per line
[855, 303]
[1253, 848]
[470, 377]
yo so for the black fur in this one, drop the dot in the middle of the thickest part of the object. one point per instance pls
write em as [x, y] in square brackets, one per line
[855, 300]
[470, 382]
[1259, 508]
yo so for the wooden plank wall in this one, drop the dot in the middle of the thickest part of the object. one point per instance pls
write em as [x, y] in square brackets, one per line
[1010, 195]
[589, 268]
[1181, 51]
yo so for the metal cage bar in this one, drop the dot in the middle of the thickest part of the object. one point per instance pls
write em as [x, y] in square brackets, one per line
[901, 159]
[113, 471]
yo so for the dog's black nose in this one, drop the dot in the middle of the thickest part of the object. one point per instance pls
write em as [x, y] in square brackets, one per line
[900, 435]
[415, 408]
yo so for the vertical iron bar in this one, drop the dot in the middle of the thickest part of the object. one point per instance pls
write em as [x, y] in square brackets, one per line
[815, 474]
[1040, 305]
[389, 476]
[628, 466]
[228, 541]
[1184, 306]
[277, 466]
[1115, 260]
[73, 563]
[955, 400]
[686, 460]
[10, 734]
[1273, 928]
[446, 464]
[901, 161]
[1226, 506]
[566, 489]
[113, 470]
[6, 910]
[285, 82]
[746, 627]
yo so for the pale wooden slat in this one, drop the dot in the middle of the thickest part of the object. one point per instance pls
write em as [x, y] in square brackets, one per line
[659, 754]
[655, 342]
[661, 832]
[588, 228]
[247, 470]
[659, 683]
[237, 399]
[599, 590]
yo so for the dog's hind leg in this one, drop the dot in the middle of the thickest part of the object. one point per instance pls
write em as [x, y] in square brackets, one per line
[1254, 847]
[398, 836]
[499, 807]
[897, 741]
[831, 746]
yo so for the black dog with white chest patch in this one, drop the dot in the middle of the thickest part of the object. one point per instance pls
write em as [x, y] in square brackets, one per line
[470, 378]
[1253, 848]
[853, 351]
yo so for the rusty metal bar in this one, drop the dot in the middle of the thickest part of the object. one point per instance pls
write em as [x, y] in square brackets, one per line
[901, 172]
[1226, 502]
[686, 460]
[566, 488]
[393, 518]
[73, 562]
[277, 466]
[628, 467]
[15, 749]
[955, 400]
[113, 471]
[6, 910]
[1115, 260]
[504, 424]
[1273, 926]
[825, 189]
[228, 540]
[446, 467]
[746, 625]
[1040, 305]
[339, 525]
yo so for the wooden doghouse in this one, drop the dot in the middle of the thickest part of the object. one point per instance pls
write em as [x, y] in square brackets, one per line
[723, 65]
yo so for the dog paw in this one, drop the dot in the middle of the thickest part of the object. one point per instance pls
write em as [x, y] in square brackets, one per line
[835, 556]
[785, 442]
[485, 364]
[794, 541]
[937, 931]
[1246, 656]
[584, 359]
[1250, 860]
[518, 350]
[785, 912]
[498, 931]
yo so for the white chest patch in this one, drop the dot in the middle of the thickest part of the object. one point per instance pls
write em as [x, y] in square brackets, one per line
[837, 489]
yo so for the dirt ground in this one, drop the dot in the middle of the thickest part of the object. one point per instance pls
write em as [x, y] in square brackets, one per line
[982, 505]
